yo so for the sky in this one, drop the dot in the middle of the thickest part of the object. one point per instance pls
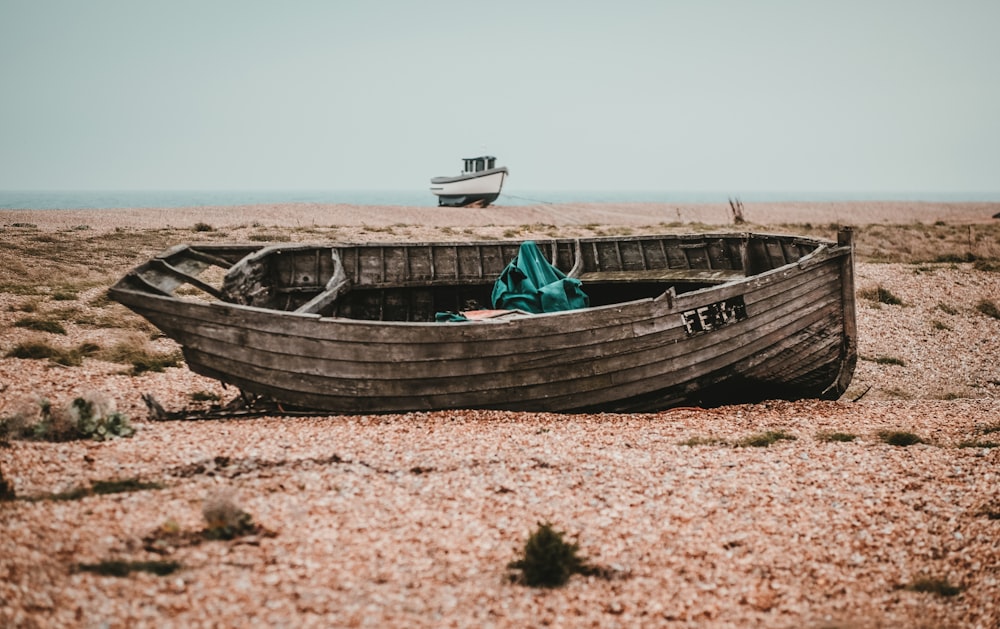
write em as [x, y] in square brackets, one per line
[712, 95]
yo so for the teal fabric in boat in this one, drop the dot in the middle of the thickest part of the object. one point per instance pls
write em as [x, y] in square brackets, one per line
[531, 284]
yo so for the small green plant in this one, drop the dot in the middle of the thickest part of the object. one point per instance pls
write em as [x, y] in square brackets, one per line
[764, 439]
[899, 438]
[96, 418]
[881, 295]
[890, 360]
[202, 227]
[120, 568]
[938, 586]
[843, 437]
[41, 325]
[938, 325]
[988, 308]
[224, 518]
[549, 560]
[90, 416]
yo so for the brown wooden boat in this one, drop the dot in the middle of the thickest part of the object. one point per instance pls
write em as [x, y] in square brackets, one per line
[704, 319]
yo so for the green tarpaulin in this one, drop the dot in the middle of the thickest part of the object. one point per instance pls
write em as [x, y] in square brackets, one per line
[531, 284]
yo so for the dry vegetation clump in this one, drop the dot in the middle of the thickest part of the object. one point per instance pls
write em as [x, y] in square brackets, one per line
[880, 295]
[40, 349]
[224, 518]
[40, 325]
[135, 351]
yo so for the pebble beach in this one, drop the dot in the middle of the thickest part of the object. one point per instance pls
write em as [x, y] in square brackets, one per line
[413, 519]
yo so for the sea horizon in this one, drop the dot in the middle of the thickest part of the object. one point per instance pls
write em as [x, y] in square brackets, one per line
[119, 199]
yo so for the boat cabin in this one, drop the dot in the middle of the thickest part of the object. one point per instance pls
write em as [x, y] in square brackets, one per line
[479, 164]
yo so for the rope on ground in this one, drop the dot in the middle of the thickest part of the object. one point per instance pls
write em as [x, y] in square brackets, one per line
[512, 196]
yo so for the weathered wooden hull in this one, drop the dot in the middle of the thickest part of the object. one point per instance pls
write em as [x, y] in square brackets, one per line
[790, 335]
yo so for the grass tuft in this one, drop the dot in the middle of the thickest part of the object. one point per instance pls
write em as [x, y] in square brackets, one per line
[202, 227]
[990, 266]
[954, 258]
[41, 325]
[976, 443]
[941, 587]
[125, 485]
[142, 358]
[40, 350]
[899, 438]
[881, 295]
[765, 439]
[64, 295]
[890, 360]
[843, 437]
[945, 308]
[988, 308]
[703, 441]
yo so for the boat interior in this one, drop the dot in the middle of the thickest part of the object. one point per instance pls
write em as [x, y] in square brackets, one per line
[416, 281]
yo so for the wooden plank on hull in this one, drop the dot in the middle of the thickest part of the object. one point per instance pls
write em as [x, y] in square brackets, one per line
[603, 338]
[544, 378]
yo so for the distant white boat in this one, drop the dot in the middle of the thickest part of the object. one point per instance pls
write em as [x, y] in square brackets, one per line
[478, 185]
